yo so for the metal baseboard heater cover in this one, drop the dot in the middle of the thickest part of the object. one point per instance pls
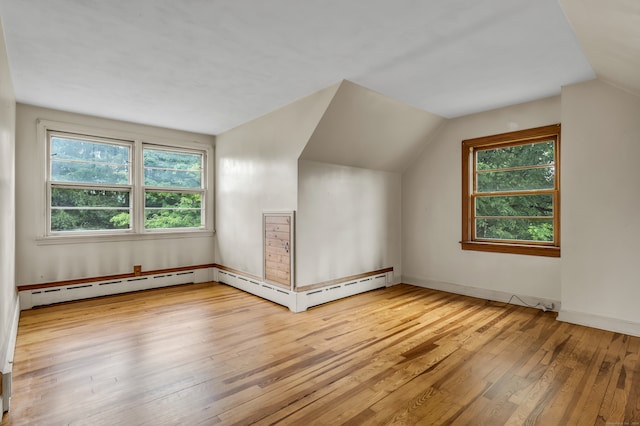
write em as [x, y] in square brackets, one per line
[48, 296]
[301, 301]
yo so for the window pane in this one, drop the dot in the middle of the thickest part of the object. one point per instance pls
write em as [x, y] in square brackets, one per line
[174, 200]
[515, 229]
[89, 220]
[515, 205]
[536, 154]
[171, 218]
[516, 180]
[172, 178]
[70, 197]
[89, 209]
[172, 210]
[172, 169]
[74, 160]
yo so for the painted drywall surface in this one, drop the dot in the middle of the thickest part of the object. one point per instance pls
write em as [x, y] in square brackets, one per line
[611, 46]
[8, 294]
[37, 263]
[431, 212]
[362, 128]
[257, 171]
[600, 176]
[348, 222]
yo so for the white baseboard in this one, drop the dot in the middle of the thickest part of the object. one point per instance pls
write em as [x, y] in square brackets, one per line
[393, 279]
[301, 301]
[481, 293]
[256, 287]
[601, 322]
[574, 317]
[48, 296]
[204, 275]
[307, 299]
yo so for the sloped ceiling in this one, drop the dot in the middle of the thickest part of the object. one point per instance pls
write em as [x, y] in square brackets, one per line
[208, 65]
[609, 33]
[362, 128]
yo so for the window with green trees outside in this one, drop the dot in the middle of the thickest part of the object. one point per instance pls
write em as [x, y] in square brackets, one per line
[511, 192]
[173, 189]
[90, 183]
[97, 186]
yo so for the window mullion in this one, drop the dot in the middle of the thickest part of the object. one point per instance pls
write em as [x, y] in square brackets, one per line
[139, 189]
[173, 189]
[96, 186]
[519, 192]
[516, 217]
[518, 168]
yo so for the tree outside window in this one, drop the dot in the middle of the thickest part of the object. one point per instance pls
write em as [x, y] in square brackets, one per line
[94, 186]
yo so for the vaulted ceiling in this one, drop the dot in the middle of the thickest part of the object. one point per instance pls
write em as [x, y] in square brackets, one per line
[208, 66]
[362, 128]
[609, 33]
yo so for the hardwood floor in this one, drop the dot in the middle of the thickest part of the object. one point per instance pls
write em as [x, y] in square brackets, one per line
[210, 354]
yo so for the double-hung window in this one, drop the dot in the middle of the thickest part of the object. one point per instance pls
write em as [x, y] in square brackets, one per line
[90, 184]
[511, 192]
[173, 188]
[98, 185]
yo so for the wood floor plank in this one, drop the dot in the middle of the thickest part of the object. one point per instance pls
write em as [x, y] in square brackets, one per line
[632, 410]
[611, 405]
[211, 354]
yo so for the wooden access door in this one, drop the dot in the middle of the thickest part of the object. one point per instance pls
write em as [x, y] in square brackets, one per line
[278, 248]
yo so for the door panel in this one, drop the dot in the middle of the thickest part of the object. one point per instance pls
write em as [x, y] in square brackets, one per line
[278, 249]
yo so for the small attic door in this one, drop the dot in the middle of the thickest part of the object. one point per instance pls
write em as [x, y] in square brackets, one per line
[278, 231]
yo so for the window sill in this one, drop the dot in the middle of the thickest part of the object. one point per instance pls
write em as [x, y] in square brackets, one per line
[532, 250]
[94, 238]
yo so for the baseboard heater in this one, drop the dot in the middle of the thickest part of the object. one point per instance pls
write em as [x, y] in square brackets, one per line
[296, 301]
[67, 293]
[299, 301]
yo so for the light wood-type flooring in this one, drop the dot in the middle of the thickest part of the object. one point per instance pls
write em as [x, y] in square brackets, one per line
[210, 354]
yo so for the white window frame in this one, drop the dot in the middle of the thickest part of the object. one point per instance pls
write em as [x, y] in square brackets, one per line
[144, 188]
[137, 198]
[128, 187]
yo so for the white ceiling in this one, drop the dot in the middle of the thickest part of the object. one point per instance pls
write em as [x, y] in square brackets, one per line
[210, 65]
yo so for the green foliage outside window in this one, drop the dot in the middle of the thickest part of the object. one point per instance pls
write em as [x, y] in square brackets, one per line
[168, 210]
[88, 209]
[91, 186]
[172, 169]
[503, 216]
[176, 170]
[79, 161]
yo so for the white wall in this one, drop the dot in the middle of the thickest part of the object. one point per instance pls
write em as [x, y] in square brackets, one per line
[257, 171]
[8, 294]
[348, 222]
[363, 128]
[431, 214]
[600, 206]
[37, 262]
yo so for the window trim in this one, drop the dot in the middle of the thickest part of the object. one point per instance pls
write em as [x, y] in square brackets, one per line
[136, 187]
[503, 140]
